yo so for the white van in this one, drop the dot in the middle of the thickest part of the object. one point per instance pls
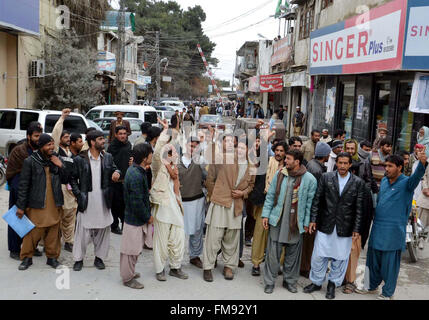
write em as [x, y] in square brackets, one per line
[14, 123]
[176, 105]
[144, 113]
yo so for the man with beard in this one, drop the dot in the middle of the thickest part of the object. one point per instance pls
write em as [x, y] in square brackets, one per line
[90, 184]
[286, 214]
[362, 169]
[119, 122]
[378, 159]
[336, 149]
[13, 174]
[192, 175]
[336, 213]
[68, 215]
[120, 149]
[76, 144]
[317, 168]
[309, 146]
[298, 122]
[40, 197]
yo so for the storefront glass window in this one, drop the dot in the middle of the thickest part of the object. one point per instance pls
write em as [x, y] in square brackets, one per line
[405, 118]
[383, 118]
[347, 107]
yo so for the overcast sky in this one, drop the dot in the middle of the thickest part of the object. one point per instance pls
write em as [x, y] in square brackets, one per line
[220, 11]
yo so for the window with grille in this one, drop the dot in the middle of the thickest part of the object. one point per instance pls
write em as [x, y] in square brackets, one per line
[306, 22]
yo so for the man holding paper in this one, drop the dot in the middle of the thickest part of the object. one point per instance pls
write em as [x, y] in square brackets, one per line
[41, 198]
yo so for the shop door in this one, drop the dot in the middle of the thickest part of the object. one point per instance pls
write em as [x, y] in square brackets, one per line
[404, 121]
[347, 102]
[384, 115]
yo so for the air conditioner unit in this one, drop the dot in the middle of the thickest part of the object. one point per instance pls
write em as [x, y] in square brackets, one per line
[37, 69]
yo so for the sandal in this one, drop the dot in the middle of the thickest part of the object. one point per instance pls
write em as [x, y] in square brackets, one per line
[349, 288]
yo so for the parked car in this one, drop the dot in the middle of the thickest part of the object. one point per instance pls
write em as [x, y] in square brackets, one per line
[104, 124]
[165, 113]
[176, 105]
[215, 121]
[14, 123]
[144, 113]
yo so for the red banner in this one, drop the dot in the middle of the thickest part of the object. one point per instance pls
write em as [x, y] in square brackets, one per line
[271, 83]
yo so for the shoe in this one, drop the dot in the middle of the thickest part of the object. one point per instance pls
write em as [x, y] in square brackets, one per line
[78, 265]
[116, 230]
[330, 291]
[269, 289]
[240, 264]
[248, 243]
[53, 262]
[311, 288]
[25, 264]
[146, 247]
[38, 253]
[290, 287]
[136, 275]
[305, 274]
[215, 263]
[99, 264]
[161, 276]
[381, 297]
[208, 276]
[134, 284]
[178, 273]
[14, 255]
[256, 271]
[421, 245]
[196, 262]
[228, 274]
[280, 272]
[68, 247]
[364, 291]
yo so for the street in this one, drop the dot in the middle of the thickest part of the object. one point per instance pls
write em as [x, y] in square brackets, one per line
[39, 281]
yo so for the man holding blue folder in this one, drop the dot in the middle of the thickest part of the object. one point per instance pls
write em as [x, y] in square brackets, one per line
[40, 197]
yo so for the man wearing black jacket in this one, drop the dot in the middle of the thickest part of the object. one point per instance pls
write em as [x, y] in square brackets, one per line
[90, 182]
[40, 197]
[336, 214]
[120, 149]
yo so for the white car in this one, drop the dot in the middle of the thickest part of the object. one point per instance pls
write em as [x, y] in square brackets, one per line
[144, 113]
[176, 105]
[14, 123]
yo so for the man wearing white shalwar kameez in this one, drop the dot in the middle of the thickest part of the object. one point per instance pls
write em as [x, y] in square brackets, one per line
[191, 176]
[169, 233]
[337, 206]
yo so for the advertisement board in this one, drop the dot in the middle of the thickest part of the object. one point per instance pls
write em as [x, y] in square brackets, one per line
[271, 83]
[282, 51]
[370, 42]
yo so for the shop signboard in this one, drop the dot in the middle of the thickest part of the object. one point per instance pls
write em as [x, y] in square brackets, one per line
[370, 42]
[254, 84]
[282, 51]
[416, 48]
[271, 83]
[21, 16]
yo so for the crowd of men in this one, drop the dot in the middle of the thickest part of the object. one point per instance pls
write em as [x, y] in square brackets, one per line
[309, 209]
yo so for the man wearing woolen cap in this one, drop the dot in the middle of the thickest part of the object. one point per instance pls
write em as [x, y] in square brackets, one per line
[337, 148]
[41, 197]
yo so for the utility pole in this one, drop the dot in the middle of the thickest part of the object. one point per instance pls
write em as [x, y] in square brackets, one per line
[158, 71]
[121, 55]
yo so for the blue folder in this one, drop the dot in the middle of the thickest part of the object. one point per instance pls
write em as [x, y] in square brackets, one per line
[21, 226]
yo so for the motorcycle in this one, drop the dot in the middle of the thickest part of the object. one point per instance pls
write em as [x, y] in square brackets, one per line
[3, 163]
[415, 234]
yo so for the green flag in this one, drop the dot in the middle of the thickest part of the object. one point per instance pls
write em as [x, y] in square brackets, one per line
[278, 10]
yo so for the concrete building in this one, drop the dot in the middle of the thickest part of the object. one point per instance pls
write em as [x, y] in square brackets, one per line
[367, 61]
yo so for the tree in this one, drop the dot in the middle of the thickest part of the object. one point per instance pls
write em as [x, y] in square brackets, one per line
[180, 32]
[70, 74]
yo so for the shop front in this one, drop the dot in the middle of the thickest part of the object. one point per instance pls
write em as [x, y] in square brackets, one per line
[364, 74]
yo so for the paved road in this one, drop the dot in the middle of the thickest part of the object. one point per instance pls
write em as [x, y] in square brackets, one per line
[39, 281]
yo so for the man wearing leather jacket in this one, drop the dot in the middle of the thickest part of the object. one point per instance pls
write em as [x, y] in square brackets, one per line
[94, 170]
[336, 214]
[40, 197]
